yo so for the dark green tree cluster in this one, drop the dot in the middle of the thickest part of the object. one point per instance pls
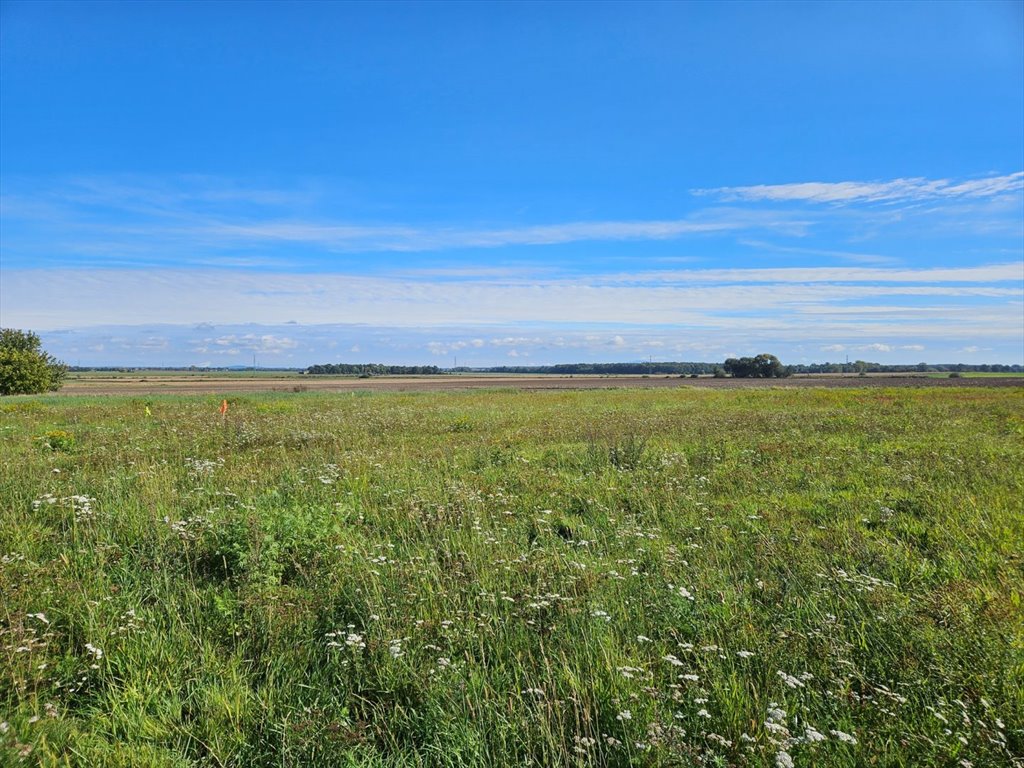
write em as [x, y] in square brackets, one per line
[760, 367]
[25, 369]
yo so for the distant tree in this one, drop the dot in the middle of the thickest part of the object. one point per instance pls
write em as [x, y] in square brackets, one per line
[25, 369]
[763, 366]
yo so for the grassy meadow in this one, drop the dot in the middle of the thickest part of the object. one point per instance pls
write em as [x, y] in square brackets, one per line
[681, 577]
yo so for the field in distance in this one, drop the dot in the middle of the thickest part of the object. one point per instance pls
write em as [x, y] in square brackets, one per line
[204, 382]
[660, 577]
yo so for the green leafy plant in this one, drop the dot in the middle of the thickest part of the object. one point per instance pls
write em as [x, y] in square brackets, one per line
[58, 440]
[25, 369]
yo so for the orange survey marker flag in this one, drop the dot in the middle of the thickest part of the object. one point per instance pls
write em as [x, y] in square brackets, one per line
[224, 408]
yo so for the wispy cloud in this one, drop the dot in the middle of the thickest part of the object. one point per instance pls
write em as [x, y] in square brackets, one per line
[978, 302]
[209, 222]
[986, 273]
[406, 238]
[848, 256]
[200, 218]
[896, 190]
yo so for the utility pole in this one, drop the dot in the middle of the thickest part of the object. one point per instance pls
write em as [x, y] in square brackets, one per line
[254, 365]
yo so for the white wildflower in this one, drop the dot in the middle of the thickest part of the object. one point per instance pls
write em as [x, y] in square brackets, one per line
[844, 737]
[792, 682]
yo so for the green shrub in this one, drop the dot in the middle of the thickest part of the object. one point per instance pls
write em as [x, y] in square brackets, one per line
[25, 369]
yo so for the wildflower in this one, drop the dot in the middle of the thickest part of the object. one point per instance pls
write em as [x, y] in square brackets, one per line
[673, 660]
[812, 735]
[704, 713]
[744, 654]
[792, 682]
[96, 652]
[624, 715]
[844, 737]
[783, 760]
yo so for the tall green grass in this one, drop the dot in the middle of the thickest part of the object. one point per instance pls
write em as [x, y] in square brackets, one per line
[664, 578]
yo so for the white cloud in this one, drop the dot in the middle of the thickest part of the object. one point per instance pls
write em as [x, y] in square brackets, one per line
[437, 348]
[234, 344]
[834, 348]
[695, 299]
[988, 273]
[875, 348]
[349, 237]
[912, 189]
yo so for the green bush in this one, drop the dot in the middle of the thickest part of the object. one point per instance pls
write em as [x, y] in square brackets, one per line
[25, 369]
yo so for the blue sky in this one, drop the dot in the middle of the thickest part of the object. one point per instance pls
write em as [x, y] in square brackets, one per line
[513, 183]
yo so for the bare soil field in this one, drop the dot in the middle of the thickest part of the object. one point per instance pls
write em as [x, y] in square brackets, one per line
[207, 384]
